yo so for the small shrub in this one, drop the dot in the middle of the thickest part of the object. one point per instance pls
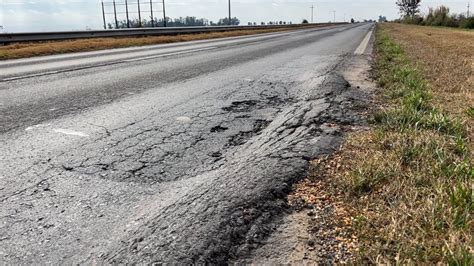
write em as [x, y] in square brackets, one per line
[467, 23]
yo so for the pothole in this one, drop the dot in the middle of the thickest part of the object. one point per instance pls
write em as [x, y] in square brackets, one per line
[219, 129]
[242, 137]
[241, 106]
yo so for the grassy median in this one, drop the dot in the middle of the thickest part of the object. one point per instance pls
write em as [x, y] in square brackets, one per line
[23, 50]
[406, 183]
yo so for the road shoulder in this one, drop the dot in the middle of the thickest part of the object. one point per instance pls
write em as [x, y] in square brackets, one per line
[313, 229]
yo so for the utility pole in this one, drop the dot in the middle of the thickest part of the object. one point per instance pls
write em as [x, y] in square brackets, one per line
[126, 12]
[334, 16]
[312, 13]
[344, 17]
[139, 14]
[115, 15]
[103, 15]
[468, 7]
[230, 14]
[164, 14]
[151, 11]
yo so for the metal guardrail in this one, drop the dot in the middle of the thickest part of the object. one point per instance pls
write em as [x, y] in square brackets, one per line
[6, 38]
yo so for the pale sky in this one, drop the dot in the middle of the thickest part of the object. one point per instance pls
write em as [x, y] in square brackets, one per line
[56, 15]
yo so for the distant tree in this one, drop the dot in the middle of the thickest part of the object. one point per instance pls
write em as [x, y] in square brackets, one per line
[352, 20]
[225, 21]
[188, 21]
[305, 21]
[177, 22]
[409, 8]
[438, 17]
[382, 19]
[262, 23]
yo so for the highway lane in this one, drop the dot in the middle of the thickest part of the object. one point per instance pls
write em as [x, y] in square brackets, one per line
[170, 153]
[67, 91]
[14, 69]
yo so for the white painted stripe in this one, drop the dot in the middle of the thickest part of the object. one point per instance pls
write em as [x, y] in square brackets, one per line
[34, 127]
[70, 132]
[184, 119]
[363, 45]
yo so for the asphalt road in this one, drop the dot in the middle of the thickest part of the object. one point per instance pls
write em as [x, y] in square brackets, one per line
[168, 153]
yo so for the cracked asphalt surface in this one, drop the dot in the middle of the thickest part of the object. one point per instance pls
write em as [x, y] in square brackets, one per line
[171, 153]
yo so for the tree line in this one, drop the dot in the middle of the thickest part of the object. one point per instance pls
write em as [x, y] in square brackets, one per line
[271, 23]
[188, 21]
[440, 16]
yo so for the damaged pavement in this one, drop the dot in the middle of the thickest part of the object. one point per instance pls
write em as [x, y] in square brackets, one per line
[200, 179]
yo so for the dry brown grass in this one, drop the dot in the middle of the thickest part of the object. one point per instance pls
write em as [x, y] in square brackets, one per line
[407, 182]
[23, 50]
[446, 58]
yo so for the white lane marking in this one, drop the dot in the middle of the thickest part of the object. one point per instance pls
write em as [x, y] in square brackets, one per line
[184, 119]
[363, 45]
[34, 127]
[70, 132]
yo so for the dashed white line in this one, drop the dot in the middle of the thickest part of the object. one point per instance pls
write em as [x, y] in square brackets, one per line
[70, 132]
